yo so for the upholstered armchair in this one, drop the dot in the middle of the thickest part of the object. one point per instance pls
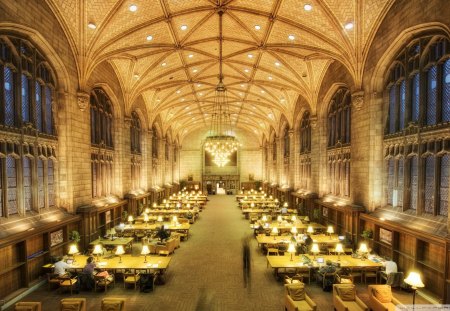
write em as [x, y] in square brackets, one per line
[296, 298]
[28, 306]
[381, 299]
[345, 299]
[72, 304]
[113, 304]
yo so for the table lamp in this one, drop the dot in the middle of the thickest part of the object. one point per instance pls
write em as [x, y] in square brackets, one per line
[188, 205]
[120, 251]
[294, 230]
[270, 197]
[330, 230]
[306, 219]
[113, 233]
[242, 192]
[339, 249]
[98, 249]
[164, 201]
[146, 219]
[363, 250]
[279, 218]
[130, 219]
[175, 219]
[294, 218]
[315, 249]
[274, 232]
[73, 249]
[264, 218]
[252, 205]
[415, 281]
[154, 204]
[291, 249]
[160, 218]
[310, 230]
[145, 251]
[245, 198]
[167, 205]
[286, 204]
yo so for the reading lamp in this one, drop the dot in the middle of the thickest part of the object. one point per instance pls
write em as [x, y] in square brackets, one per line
[98, 249]
[146, 219]
[339, 249]
[330, 230]
[415, 281]
[315, 249]
[120, 251]
[130, 219]
[145, 251]
[291, 249]
[294, 230]
[363, 250]
[73, 250]
[274, 232]
[112, 232]
[310, 230]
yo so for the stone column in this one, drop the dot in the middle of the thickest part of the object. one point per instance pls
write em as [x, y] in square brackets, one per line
[292, 169]
[317, 158]
[127, 183]
[148, 156]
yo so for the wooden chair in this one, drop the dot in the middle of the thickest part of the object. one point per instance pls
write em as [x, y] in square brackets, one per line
[53, 280]
[371, 273]
[72, 304]
[68, 282]
[103, 282]
[357, 273]
[28, 306]
[131, 277]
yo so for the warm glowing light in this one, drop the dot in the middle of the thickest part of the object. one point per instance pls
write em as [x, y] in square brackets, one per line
[92, 26]
[97, 249]
[73, 249]
[294, 230]
[349, 26]
[264, 218]
[307, 7]
[279, 219]
[160, 218]
[330, 230]
[315, 249]
[133, 8]
[414, 280]
[310, 229]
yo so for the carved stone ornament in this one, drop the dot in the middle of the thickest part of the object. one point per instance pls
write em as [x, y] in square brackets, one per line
[82, 100]
[313, 121]
[358, 100]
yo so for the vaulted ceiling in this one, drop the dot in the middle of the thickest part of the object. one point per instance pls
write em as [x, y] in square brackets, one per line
[167, 52]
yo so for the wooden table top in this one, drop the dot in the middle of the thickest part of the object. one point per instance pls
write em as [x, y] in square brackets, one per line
[115, 242]
[128, 262]
[284, 226]
[345, 261]
[317, 238]
[170, 226]
[266, 210]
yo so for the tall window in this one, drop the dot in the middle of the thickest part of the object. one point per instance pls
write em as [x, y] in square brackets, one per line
[135, 133]
[101, 142]
[338, 152]
[26, 99]
[286, 140]
[274, 149]
[167, 149]
[155, 147]
[305, 133]
[418, 91]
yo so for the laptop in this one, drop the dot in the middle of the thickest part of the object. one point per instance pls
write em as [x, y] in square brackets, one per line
[320, 260]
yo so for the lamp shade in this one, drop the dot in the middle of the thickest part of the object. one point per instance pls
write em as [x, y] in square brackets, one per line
[147, 210]
[270, 197]
[279, 219]
[252, 205]
[294, 230]
[275, 230]
[276, 200]
[120, 250]
[160, 218]
[73, 249]
[330, 230]
[98, 249]
[363, 248]
[264, 218]
[154, 204]
[145, 250]
[414, 280]
[291, 248]
[285, 204]
[310, 229]
[145, 217]
[112, 231]
[164, 201]
[174, 218]
[188, 205]
[294, 218]
[315, 248]
[339, 248]
[306, 219]
[130, 218]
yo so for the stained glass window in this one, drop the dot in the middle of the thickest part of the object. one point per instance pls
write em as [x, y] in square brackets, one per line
[400, 182]
[339, 118]
[9, 97]
[444, 185]
[446, 92]
[25, 99]
[51, 183]
[27, 183]
[40, 179]
[414, 173]
[94, 179]
[390, 181]
[432, 96]
[415, 99]
[305, 133]
[286, 143]
[402, 104]
[48, 111]
[392, 114]
[38, 91]
[429, 184]
[11, 175]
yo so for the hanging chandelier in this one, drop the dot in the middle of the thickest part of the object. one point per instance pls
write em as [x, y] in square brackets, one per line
[221, 142]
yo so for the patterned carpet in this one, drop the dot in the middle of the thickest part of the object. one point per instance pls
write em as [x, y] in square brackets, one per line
[206, 273]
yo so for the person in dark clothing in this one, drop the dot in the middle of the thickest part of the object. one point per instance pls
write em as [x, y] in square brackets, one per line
[246, 261]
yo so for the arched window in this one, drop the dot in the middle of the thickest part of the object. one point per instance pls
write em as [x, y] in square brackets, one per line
[338, 152]
[167, 149]
[102, 143]
[155, 147]
[286, 142]
[274, 149]
[305, 133]
[418, 92]
[135, 134]
[26, 99]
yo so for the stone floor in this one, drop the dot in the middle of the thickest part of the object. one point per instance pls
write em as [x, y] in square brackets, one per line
[206, 273]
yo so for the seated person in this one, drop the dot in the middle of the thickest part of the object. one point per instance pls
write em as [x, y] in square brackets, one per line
[321, 273]
[390, 266]
[60, 267]
[87, 276]
[284, 210]
[90, 266]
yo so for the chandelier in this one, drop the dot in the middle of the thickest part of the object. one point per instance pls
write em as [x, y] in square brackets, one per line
[221, 142]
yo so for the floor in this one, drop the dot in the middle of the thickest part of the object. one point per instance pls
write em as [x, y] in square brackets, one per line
[206, 273]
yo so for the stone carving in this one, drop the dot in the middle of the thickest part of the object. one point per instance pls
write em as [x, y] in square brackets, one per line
[82, 100]
[358, 100]
[313, 121]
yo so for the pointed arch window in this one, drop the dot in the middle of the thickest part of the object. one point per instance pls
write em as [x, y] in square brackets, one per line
[287, 146]
[305, 133]
[155, 146]
[135, 133]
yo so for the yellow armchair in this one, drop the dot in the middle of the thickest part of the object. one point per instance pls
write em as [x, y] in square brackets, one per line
[296, 298]
[113, 304]
[73, 304]
[381, 299]
[345, 299]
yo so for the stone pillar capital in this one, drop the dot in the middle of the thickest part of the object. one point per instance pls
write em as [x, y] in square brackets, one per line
[313, 121]
[358, 99]
[82, 100]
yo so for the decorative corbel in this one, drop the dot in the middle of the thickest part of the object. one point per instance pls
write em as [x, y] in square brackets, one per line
[82, 100]
[313, 121]
[358, 100]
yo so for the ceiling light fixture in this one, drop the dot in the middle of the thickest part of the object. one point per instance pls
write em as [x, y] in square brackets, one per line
[307, 7]
[257, 27]
[277, 64]
[149, 38]
[194, 70]
[291, 37]
[163, 64]
[250, 55]
[183, 27]
[349, 26]
[133, 8]
[221, 142]
[178, 91]
[191, 55]
[92, 25]
[270, 78]
[246, 70]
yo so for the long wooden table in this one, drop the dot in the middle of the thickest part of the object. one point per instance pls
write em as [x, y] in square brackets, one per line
[283, 227]
[128, 242]
[284, 262]
[317, 238]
